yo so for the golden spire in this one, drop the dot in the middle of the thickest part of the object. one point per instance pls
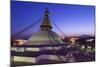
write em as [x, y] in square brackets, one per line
[46, 25]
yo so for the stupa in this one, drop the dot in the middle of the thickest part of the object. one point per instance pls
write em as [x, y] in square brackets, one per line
[43, 47]
[45, 35]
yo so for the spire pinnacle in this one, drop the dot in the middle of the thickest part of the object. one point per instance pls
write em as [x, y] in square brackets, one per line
[46, 25]
[46, 12]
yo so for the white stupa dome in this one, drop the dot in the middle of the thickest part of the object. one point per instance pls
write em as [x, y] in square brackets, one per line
[43, 37]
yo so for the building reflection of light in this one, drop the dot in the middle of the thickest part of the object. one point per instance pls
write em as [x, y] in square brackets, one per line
[83, 47]
[73, 40]
[19, 42]
[89, 40]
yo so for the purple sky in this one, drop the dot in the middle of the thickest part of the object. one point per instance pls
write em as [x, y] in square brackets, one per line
[71, 19]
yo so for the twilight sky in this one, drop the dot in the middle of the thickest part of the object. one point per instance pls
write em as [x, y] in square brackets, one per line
[71, 19]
